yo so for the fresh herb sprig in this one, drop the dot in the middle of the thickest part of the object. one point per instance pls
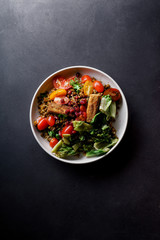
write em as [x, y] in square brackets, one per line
[76, 84]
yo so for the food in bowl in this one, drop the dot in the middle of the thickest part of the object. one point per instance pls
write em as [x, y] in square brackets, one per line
[76, 116]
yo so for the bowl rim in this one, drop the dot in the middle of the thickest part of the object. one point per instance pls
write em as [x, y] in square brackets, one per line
[89, 160]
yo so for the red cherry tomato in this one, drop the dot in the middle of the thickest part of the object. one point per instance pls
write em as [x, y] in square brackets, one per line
[51, 121]
[42, 124]
[61, 100]
[114, 93]
[39, 118]
[85, 78]
[82, 108]
[57, 82]
[66, 84]
[53, 142]
[98, 86]
[67, 129]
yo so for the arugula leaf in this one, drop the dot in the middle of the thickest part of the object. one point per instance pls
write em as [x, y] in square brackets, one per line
[75, 84]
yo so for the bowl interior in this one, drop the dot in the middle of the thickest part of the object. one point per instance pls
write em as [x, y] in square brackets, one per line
[119, 124]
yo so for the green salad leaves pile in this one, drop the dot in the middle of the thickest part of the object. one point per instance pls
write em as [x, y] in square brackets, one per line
[95, 138]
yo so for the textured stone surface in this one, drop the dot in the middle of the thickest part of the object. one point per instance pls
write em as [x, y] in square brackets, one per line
[119, 196]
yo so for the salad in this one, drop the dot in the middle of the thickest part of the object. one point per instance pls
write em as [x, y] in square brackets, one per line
[76, 116]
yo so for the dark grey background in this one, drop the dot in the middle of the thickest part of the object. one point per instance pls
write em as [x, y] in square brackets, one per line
[119, 196]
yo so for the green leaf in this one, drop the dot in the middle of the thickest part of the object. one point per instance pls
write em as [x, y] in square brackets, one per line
[96, 117]
[81, 126]
[51, 133]
[65, 151]
[94, 153]
[76, 84]
[82, 138]
[105, 104]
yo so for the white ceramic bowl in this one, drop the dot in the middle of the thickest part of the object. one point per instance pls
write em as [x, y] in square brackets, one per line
[121, 120]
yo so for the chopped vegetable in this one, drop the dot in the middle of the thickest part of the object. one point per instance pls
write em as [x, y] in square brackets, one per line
[51, 121]
[57, 146]
[76, 146]
[53, 142]
[42, 124]
[85, 78]
[95, 153]
[65, 140]
[114, 93]
[98, 86]
[113, 110]
[65, 151]
[67, 130]
[61, 83]
[66, 135]
[105, 103]
[81, 126]
[58, 93]
[76, 84]
[88, 88]
[96, 117]
[102, 146]
[113, 142]
[61, 100]
[57, 81]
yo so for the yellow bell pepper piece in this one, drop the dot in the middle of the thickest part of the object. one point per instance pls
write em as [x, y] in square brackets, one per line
[58, 93]
[88, 88]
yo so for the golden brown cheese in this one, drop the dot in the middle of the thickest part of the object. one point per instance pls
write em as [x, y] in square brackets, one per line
[92, 107]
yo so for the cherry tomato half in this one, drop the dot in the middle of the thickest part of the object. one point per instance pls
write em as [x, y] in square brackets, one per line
[57, 81]
[85, 78]
[114, 93]
[42, 124]
[58, 93]
[98, 86]
[53, 142]
[51, 121]
[61, 100]
[88, 88]
[66, 84]
[67, 129]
